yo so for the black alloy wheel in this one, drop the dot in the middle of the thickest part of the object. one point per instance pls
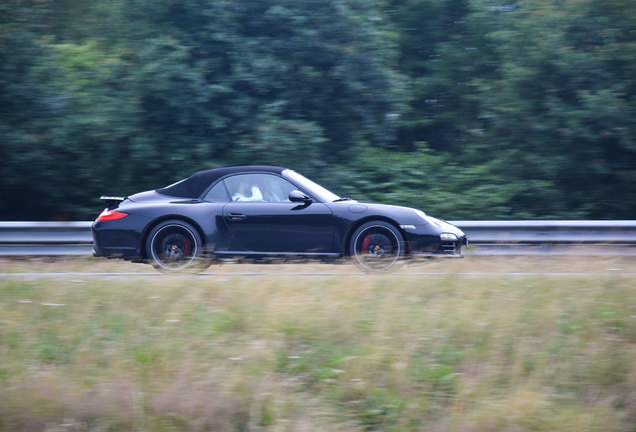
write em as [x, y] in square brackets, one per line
[376, 246]
[175, 246]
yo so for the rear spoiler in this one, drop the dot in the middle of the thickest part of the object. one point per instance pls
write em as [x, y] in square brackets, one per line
[112, 201]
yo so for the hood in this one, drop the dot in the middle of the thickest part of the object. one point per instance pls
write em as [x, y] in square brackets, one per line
[403, 215]
[445, 226]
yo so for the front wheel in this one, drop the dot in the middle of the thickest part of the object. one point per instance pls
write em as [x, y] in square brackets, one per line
[175, 246]
[376, 246]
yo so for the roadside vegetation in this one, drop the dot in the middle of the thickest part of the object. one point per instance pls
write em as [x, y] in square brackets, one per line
[451, 350]
[468, 109]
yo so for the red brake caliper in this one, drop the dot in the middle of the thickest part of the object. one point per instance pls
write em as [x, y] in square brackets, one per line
[187, 246]
[365, 244]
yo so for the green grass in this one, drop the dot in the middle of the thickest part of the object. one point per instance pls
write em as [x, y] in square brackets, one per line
[400, 352]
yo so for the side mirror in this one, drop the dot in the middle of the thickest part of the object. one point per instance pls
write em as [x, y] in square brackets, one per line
[298, 196]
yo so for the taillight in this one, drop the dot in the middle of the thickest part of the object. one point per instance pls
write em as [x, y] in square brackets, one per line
[108, 215]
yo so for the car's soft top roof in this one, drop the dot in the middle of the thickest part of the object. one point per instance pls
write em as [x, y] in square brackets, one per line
[194, 186]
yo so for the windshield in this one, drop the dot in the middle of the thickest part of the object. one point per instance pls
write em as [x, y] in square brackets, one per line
[309, 186]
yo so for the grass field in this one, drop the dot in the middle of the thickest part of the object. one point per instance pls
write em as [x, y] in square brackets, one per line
[474, 345]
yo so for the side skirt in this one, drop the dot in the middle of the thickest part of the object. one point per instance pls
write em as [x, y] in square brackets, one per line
[273, 254]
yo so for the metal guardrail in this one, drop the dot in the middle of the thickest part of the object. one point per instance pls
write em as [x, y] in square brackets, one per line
[45, 232]
[45, 238]
[74, 238]
[570, 231]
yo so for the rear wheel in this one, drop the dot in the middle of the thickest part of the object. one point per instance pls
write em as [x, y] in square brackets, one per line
[175, 246]
[376, 246]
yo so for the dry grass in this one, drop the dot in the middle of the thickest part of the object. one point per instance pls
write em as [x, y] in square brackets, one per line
[473, 345]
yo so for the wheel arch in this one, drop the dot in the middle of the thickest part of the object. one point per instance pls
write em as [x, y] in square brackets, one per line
[366, 219]
[163, 218]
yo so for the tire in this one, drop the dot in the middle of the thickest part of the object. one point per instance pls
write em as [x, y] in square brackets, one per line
[376, 246]
[175, 246]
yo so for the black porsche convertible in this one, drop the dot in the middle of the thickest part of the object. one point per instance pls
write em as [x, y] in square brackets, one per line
[263, 211]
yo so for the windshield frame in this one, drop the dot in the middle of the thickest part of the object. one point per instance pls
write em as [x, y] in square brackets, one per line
[309, 186]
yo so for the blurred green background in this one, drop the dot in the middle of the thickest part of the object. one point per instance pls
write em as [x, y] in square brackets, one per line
[468, 109]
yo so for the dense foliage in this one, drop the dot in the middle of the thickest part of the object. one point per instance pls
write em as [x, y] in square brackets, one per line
[466, 108]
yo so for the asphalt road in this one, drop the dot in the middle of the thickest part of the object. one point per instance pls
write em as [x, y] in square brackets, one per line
[610, 273]
[579, 263]
[495, 249]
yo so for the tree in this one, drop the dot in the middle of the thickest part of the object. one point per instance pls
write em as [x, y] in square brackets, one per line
[257, 81]
[147, 93]
[523, 109]
[561, 111]
[443, 51]
[28, 107]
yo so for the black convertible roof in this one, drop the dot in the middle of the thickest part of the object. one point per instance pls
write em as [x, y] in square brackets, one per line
[194, 186]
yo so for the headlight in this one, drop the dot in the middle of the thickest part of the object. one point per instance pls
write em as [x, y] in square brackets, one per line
[448, 237]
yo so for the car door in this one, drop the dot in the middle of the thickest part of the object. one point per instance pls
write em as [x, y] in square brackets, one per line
[262, 219]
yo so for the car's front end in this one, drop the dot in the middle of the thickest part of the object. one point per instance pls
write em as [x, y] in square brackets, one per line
[432, 237]
[424, 243]
[423, 235]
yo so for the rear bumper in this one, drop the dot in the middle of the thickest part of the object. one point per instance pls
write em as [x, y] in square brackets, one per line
[129, 254]
[118, 239]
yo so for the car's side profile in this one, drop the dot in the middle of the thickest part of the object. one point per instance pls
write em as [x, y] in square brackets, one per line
[263, 211]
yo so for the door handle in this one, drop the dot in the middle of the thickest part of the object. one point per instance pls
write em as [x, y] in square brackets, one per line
[236, 216]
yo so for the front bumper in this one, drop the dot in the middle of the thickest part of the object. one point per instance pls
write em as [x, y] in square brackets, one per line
[421, 242]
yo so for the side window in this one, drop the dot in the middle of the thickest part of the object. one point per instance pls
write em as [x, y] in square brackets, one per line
[217, 193]
[258, 188]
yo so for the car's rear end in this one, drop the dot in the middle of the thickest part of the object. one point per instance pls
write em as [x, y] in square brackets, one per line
[117, 231]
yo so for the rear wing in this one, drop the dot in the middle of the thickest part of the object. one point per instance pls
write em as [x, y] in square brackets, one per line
[112, 201]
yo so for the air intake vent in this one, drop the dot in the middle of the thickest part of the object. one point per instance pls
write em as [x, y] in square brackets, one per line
[449, 247]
